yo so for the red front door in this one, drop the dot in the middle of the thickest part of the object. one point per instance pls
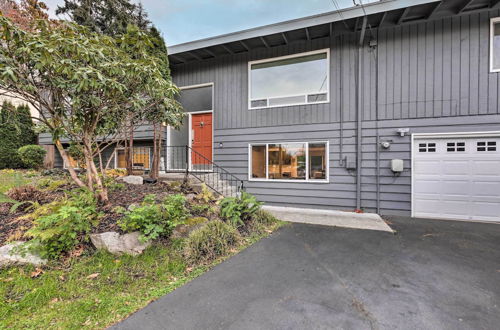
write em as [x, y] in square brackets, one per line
[201, 138]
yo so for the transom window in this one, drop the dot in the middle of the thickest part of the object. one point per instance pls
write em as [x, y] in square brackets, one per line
[486, 146]
[427, 147]
[289, 80]
[293, 161]
[495, 45]
[455, 146]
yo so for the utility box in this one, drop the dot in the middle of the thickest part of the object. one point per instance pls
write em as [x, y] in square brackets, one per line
[397, 165]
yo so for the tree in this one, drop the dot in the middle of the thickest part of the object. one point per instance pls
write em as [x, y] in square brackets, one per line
[110, 17]
[86, 85]
[26, 13]
[16, 130]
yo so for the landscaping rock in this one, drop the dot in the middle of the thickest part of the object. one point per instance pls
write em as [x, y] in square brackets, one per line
[190, 225]
[119, 244]
[133, 179]
[9, 256]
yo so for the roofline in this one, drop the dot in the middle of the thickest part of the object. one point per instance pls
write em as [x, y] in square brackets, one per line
[299, 23]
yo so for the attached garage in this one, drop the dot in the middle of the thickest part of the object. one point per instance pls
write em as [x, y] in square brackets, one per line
[456, 176]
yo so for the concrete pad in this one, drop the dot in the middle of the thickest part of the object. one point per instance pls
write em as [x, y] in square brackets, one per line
[370, 221]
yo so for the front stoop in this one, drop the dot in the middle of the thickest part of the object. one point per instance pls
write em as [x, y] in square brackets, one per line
[369, 221]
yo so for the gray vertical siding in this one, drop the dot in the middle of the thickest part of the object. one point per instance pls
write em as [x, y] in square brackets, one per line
[430, 77]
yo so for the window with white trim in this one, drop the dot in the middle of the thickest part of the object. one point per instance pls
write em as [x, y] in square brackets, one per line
[495, 45]
[289, 80]
[290, 161]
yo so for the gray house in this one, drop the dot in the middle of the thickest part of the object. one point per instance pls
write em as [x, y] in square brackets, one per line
[392, 107]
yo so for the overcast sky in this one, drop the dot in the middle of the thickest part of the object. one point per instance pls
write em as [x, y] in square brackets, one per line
[187, 20]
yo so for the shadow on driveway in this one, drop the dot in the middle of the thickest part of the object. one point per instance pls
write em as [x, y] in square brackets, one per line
[430, 275]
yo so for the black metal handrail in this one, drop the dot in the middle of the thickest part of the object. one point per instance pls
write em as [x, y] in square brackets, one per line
[192, 162]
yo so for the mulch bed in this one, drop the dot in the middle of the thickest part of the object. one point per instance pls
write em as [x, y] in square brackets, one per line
[11, 226]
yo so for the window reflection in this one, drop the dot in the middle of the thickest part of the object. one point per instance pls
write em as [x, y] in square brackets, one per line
[259, 162]
[317, 161]
[287, 161]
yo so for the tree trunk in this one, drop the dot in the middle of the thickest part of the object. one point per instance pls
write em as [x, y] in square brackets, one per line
[101, 193]
[154, 167]
[71, 170]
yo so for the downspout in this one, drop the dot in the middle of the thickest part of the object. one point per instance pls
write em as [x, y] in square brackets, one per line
[358, 117]
[377, 138]
[341, 115]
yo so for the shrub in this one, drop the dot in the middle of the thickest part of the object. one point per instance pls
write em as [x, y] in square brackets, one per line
[16, 130]
[214, 239]
[32, 155]
[238, 210]
[64, 224]
[49, 184]
[153, 219]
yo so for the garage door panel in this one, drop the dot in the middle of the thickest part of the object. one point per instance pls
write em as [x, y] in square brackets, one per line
[456, 184]
[485, 188]
[427, 167]
[485, 211]
[456, 167]
[485, 167]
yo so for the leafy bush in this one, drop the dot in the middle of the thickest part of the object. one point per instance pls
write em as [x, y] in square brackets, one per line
[206, 194]
[32, 155]
[64, 224]
[238, 210]
[214, 239]
[16, 130]
[116, 172]
[153, 219]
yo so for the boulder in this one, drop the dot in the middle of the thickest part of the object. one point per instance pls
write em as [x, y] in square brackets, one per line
[133, 179]
[10, 256]
[119, 244]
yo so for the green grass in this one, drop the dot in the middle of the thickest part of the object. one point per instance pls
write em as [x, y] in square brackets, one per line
[64, 297]
[8, 180]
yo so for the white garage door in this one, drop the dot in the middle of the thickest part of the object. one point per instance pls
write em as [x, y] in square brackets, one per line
[456, 177]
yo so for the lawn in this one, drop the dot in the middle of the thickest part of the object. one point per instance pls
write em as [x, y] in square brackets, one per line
[10, 179]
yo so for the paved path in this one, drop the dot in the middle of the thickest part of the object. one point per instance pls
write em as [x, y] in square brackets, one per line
[430, 275]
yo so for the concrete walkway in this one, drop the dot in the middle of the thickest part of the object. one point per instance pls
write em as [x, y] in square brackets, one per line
[370, 221]
[430, 275]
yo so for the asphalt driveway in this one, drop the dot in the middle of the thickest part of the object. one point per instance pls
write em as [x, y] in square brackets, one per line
[430, 275]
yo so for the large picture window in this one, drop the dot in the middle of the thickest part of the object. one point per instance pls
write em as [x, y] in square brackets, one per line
[292, 161]
[495, 45]
[289, 80]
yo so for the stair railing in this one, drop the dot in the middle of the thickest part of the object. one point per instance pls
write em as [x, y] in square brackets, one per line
[192, 162]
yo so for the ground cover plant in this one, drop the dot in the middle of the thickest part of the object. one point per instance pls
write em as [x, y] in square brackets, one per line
[82, 287]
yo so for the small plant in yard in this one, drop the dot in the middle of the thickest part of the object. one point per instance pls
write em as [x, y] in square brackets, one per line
[153, 219]
[238, 210]
[50, 184]
[32, 155]
[213, 240]
[66, 224]
[27, 193]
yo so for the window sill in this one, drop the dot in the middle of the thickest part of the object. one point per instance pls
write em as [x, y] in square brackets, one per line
[291, 181]
[289, 105]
